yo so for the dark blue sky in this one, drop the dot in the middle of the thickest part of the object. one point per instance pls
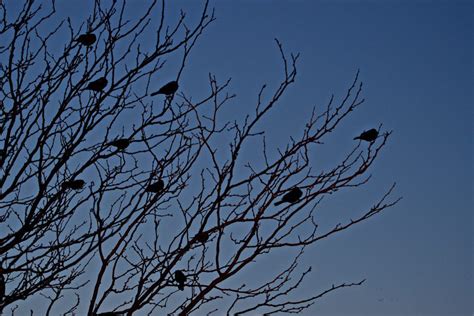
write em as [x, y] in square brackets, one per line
[415, 59]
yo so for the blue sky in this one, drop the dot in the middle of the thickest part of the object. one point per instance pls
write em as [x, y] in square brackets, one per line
[415, 59]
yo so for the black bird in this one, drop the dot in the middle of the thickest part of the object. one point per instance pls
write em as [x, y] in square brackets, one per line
[73, 184]
[97, 85]
[292, 196]
[369, 136]
[180, 278]
[156, 187]
[168, 89]
[2, 287]
[202, 237]
[86, 39]
[120, 144]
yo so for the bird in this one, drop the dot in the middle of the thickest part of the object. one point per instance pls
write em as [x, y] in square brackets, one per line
[180, 278]
[86, 39]
[73, 184]
[120, 144]
[202, 237]
[97, 85]
[2, 287]
[292, 196]
[168, 89]
[369, 136]
[156, 187]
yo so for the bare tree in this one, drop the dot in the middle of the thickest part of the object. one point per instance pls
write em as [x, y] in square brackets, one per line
[118, 202]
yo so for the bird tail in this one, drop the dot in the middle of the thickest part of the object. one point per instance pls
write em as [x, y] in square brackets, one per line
[358, 137]
[181, 286]
[156, 93]
[278, 203]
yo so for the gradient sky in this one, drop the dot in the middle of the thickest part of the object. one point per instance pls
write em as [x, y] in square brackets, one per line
[416, 62]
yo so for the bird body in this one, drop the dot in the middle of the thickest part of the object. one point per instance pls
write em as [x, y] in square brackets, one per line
[202, 237]
[156, 187]
[2, 287]
[168, 89]
[73, 184]
[86, 39]
[368, 136]
[121, 143]
[292, 196]
[180, 279]
[97, 85]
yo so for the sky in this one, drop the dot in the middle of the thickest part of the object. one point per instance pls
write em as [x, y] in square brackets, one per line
[416, 63]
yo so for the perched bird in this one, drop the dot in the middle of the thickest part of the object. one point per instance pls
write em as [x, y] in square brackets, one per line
[73, 184]
[369, 136]
[120, 144]
[180, 278]
[202, 237]
[168, 89]
[97, 85]
[292, 196]
[156, 187]
[86, 39]
[2, 287]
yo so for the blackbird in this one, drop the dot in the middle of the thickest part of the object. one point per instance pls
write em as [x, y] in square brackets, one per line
[2, 287]
[168, 89]
[97, 85]
[156, 187]
[292, 196]
[202, 237]
[369, 136]
[180, 279]
[73, 184]
[86, 39]
[121, 143]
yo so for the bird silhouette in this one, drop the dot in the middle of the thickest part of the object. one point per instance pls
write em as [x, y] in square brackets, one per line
[120, 144]
[180, 279]
[2, 287]
[73, 184]
[156, 187]
[202, 237]
[97, 85]
[168, 89]
[86, 39]
[369, 136]
[292, 196]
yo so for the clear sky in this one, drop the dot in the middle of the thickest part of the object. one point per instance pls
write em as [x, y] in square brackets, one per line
[416, 62]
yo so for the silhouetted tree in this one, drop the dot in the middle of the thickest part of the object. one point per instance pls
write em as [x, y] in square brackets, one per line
[79, 231]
